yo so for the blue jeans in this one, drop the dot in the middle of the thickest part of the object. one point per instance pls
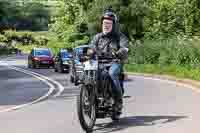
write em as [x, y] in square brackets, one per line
[114, 72]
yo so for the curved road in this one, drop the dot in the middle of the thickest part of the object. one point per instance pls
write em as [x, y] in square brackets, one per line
[154, 106]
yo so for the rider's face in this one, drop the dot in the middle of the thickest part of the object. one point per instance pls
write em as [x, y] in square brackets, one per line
[107, 26]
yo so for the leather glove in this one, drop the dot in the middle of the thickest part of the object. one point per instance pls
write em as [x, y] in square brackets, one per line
[90, 52]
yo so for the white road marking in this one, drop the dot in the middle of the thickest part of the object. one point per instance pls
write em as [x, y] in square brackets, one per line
[60, 87]
[35, 101]
[43, 78]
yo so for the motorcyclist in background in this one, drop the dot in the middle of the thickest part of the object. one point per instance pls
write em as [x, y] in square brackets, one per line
[112, 42]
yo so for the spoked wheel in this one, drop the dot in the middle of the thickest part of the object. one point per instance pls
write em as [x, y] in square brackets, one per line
[86, 108]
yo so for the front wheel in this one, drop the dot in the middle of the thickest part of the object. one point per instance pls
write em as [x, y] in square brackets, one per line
[86, 108]
[71, 79]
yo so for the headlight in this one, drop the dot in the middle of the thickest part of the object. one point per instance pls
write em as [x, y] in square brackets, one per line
[66, 62]
[79, 66]
[70, 61]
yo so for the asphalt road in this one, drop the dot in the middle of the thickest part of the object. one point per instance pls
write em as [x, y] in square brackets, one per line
[154, 106]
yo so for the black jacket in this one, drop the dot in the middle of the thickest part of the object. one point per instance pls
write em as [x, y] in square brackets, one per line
[107, 44]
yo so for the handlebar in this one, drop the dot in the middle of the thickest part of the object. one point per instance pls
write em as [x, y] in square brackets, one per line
[107, 59]
[101, 57]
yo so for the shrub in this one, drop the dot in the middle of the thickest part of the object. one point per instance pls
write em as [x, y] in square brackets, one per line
[178, 51]
[3, 38]
[27, 37]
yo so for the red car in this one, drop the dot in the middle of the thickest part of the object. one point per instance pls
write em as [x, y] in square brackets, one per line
[40, 57]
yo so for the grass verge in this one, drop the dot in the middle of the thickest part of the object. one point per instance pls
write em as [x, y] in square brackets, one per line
[173, 70]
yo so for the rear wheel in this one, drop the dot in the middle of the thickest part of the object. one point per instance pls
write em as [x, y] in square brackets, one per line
[67, 71]
[29, 65]
[86, 108]
[76, 81]
[55, 69]
[115, 117]
[60, 68]
[33, 65]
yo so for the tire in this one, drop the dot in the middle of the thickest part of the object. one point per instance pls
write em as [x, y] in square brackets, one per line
[29, 66]
[87, 126]
[60, 69]
[67, 71]
[115, 118]
[55, 70]
[76, 82]
[37, 65]
[71, 79]
[33, 65]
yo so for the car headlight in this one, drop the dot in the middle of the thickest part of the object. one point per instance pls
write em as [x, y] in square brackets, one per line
[70, 61]
[66, 62]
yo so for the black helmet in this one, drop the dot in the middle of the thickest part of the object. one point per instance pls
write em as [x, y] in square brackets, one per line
[110, 15]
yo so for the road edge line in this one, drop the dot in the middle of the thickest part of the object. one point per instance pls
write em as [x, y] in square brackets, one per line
[50, 91]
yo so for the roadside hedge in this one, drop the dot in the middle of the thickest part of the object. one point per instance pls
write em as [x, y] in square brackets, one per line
[178, 51]
[24, 38]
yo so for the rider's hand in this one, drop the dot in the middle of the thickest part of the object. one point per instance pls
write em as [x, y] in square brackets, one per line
[119, 53]
[90, 52]
[113, 54]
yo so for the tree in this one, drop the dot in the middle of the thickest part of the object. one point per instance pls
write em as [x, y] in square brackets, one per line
[23, 15]
[138, 18]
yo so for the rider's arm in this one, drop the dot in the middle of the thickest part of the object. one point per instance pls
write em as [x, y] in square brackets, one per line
[93, 44]
[123, 51]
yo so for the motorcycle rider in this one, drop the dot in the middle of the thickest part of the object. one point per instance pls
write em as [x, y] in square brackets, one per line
[112, 42]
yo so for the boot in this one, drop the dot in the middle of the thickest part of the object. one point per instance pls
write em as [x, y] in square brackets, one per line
[117, 109]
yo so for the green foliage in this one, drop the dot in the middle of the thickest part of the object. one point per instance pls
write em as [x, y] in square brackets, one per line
[56, 45]
[69, 25]
[179, 51]
[3, 38]
[23, 15]
[11, 35]
[160, 31]
[26, 38]
[152, 19]
[174, 70]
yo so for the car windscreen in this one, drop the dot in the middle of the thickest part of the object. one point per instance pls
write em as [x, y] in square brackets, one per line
[42, 52]
[65, 55]
[81, 51]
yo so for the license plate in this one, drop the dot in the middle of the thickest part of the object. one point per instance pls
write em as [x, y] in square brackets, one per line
[45, 62]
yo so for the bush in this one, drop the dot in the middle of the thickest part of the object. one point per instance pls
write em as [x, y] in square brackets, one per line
[26, 37]
[41, 40]
[8, 50]
[3, 38]
[178, 51]
[11, 35]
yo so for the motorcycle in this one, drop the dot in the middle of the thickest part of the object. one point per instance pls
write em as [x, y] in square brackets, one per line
[95, 99]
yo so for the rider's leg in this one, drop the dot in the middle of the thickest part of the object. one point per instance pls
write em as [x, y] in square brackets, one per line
[114, 72]
[122, 80]
[122, 85]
